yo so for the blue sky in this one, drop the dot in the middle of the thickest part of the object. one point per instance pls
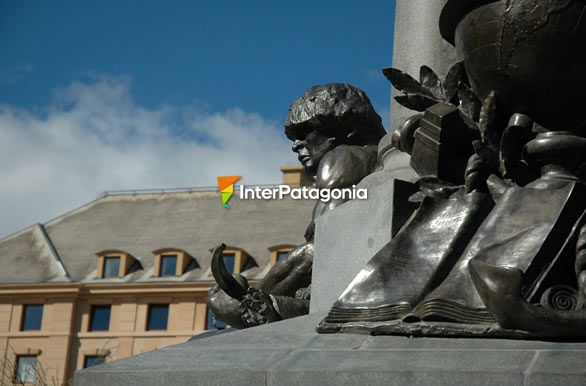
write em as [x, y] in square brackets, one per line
[102, 95]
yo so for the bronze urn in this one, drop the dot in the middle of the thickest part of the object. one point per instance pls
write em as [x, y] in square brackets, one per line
[532, 53]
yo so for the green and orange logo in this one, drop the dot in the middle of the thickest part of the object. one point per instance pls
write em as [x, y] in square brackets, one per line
[226, 185]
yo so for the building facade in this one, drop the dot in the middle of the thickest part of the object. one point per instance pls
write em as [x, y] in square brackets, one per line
[129, 273]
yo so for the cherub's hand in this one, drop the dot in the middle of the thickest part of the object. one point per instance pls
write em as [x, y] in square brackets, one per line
[256, 308]
[225, 308]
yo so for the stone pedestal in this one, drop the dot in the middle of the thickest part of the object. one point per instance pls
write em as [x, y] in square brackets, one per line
[291, 353]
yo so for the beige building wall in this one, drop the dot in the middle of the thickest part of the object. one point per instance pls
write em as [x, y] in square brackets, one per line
[50, 344]
[65, 340]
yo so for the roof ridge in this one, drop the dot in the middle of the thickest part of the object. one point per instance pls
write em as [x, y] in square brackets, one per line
[72, 211]
[53, 251]
[103, 197]
[19, 232]
[135, 193]
[199, 189]
[142, 192]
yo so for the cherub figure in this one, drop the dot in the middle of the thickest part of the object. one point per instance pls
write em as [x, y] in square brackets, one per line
[335, 132]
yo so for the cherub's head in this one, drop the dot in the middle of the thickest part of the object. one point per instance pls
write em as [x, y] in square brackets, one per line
[331, 115]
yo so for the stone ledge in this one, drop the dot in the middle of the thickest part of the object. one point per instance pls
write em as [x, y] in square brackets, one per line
[291, 353]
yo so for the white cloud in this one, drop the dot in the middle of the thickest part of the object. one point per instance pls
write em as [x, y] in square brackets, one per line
[94, 137]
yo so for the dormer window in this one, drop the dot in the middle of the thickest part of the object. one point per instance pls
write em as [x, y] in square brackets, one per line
[168, 265]
[280, 252]
[111, 266]
[114, 264]
[172, 262]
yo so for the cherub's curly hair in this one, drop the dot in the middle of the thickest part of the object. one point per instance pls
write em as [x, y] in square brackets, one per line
[337, 110]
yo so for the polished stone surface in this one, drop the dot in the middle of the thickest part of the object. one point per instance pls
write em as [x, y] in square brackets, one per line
[291, 353]
[417, 43]
[343, 247]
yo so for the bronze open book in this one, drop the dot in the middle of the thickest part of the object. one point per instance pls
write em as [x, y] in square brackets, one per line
[422, 274]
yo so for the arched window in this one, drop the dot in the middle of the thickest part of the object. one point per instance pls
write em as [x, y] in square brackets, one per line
[113, 263]
[172, 262]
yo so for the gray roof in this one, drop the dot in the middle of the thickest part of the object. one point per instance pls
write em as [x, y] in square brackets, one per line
[28, 256]
[65, 248]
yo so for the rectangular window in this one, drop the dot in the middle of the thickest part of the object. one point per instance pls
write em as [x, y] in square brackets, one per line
[32, 317]
[282, 255]
[229, 261]
[100, 318]
[26, 369]
[168, 265]
[93, 360]
[111, 266]
[158, 317]
[213, 323]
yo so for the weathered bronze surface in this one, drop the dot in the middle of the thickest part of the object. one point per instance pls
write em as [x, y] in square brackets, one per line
[531, 53]
[443, 144]
[418, 255]
[497, 247]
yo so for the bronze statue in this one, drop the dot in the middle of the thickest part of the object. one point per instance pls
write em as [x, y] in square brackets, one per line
[497, 246]
[335, 132]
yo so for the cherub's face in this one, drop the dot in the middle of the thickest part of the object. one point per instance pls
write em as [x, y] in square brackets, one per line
[311, 145]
